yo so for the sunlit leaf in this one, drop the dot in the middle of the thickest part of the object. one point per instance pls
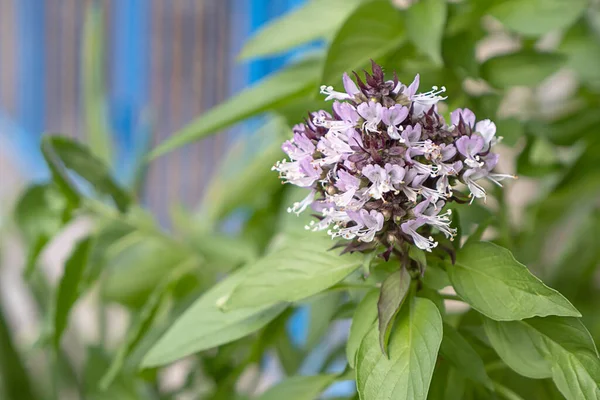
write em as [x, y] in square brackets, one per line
[552, 347]
[372, 30]
[536, 17]
[413, 350]
[299, 268]
[393, 292]
[315, 20]
[362, 322]
[489, 278]
[205, 325]
[425, 21]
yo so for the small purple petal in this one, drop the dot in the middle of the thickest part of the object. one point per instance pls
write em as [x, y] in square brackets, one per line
[349, 85]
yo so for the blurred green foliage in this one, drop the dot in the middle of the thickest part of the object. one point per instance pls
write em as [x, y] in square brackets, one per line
[532, 66]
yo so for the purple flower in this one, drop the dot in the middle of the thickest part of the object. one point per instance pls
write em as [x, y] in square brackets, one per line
[384, 166]
[299, 147]
[463, 114]
[487, 130]
[350, 86]
[393, 117]
[470, 147]
[372, 113]
[410, 228]
[380, 180]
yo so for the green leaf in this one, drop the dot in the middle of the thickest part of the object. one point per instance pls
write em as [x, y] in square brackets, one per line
[40, 214]
[525, 68]
[372, 30]
[323, 308]
[245, 176]
[137, 264]
[552, 347]
[393, 292]
[69, 288]
[316, 20]
[489, 278]
[413, 350]
[15, 380]
[425, 21]
[435, 277]
[92, 84]
[204, 325]
[362, 322]
[299, 388]
[144, 320]
[537, 17]
[301, 267]
[463, 357]
[273, 91]
[123, 388]
[63, 153]
[583, 54]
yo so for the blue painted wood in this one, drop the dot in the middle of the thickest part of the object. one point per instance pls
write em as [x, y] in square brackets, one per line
[31, 94]
[129, 89]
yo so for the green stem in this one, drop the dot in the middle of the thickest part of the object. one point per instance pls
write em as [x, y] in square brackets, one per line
[506, 392]
[344, 286]
[495, 365]
[454, 297]
[504, 219]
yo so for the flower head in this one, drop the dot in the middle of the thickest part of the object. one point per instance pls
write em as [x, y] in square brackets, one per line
[383, 166]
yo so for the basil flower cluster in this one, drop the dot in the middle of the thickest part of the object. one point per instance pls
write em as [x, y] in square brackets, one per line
[384, 163]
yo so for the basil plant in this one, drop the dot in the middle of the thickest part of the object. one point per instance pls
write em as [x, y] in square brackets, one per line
[416, 217]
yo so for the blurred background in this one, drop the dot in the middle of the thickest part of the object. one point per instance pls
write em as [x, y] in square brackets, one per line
[139, 71]
[160, 64]
[165, 62]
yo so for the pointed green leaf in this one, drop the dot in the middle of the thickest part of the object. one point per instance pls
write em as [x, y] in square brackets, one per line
[245, 176]
[271, 92]
[525, 68]
[372, 30]
[553, 347]
[40, 213]
[413, 350]
[537, 17]
[301, 267]
[137, 263]
[142, 323]
[393, 292]
[583, 53]
[204, 325]
[322, 310]
[69, 288]
[425, 21]
[463, 357]
[16, 381]
[489, 278]
[299, 388]
[315, 20]
[63, 153]
[362, 322]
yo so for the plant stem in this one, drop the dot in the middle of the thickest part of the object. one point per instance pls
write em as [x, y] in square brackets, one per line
[454, 297]
[506, 392]
[496, 365]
